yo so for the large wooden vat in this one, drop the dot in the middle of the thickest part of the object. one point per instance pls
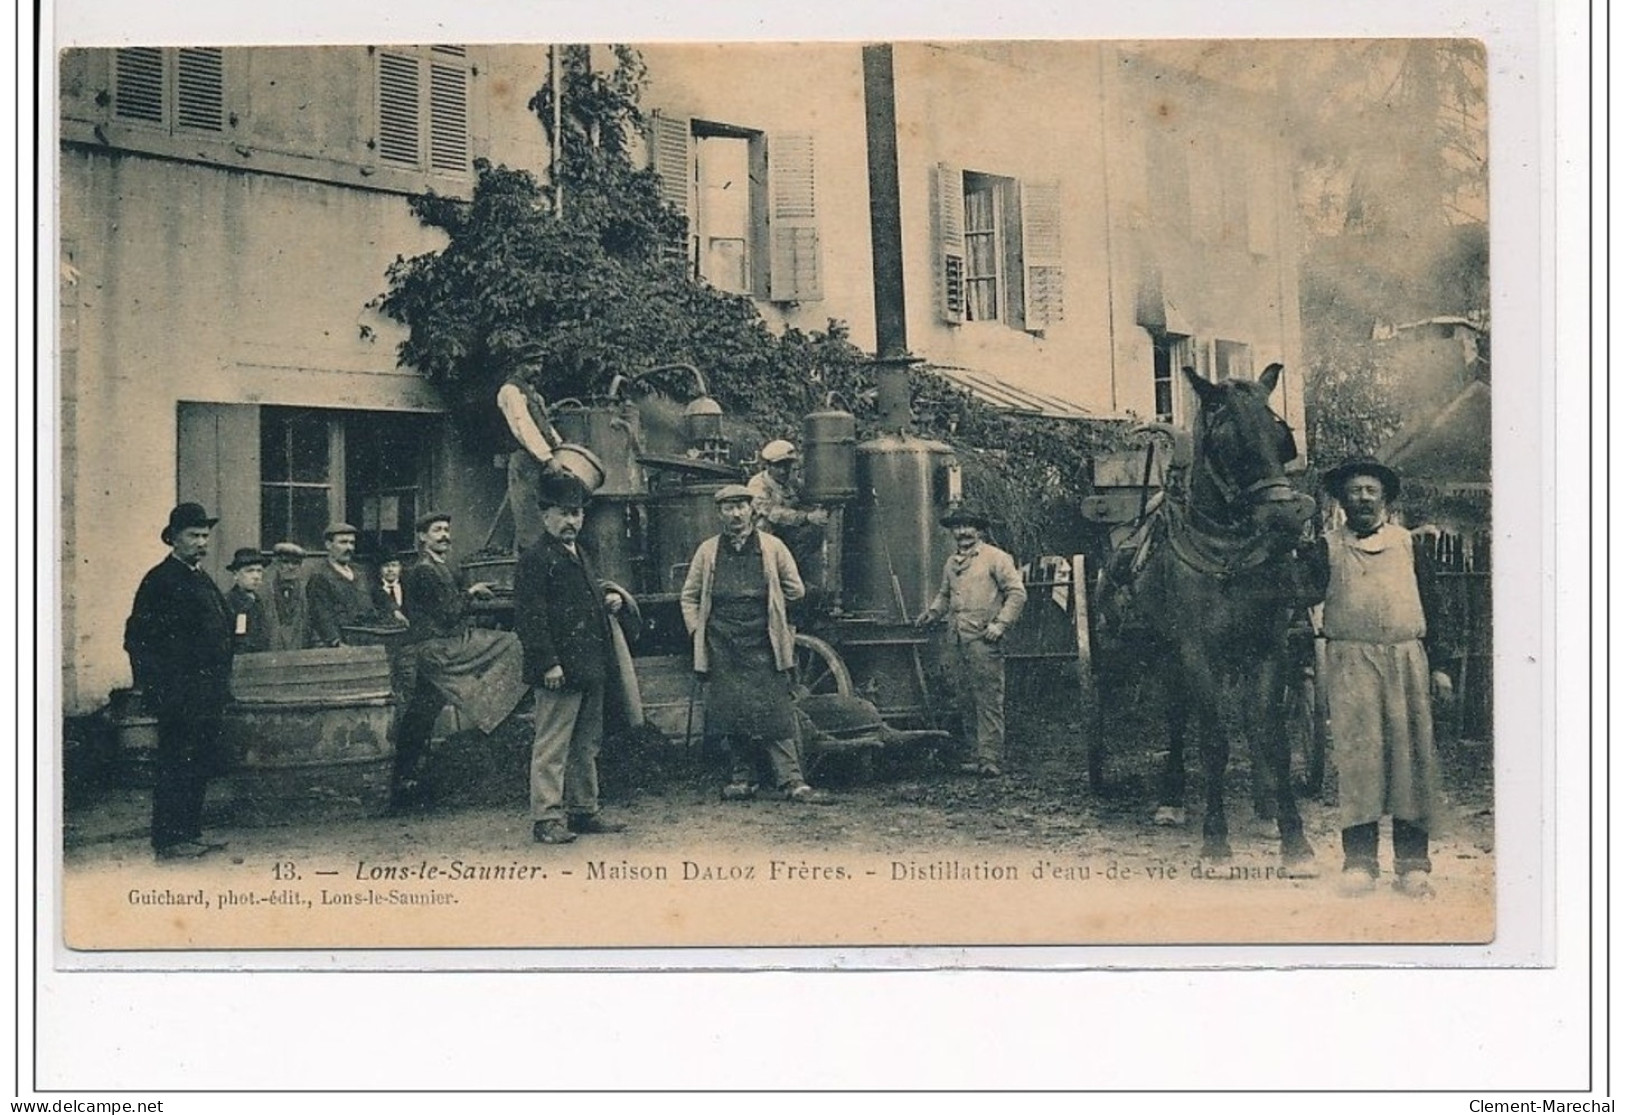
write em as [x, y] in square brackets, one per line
[309, 735]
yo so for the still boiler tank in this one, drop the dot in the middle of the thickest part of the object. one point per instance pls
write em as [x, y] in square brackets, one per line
[895, 546]
[829, 458]
[611, 431]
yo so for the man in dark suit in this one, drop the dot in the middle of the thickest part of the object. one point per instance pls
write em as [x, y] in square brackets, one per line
[337, 595]
[562, 615]
[179, 639]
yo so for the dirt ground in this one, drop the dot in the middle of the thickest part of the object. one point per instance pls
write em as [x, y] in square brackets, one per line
[911, 804]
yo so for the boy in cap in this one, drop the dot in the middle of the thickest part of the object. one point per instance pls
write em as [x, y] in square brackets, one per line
[179, 639]
[1379, 637]
[735, 604]
[981, 596]
[249, 623]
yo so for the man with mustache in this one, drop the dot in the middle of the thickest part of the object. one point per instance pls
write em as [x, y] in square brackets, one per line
[1380, 629]
[562, 613]
[981, 596]
[179, 639]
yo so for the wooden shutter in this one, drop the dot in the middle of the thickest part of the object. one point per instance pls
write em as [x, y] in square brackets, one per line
[218, 465]
[671, 155]
[948, 236]
[1044, 286]
[448, 112]
[200, 92]
[795, 275]
[138, 84]
[399, 123]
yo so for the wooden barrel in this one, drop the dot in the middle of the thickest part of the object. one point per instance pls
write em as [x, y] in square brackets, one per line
[309, 733]
[135, 739]
[667, 686]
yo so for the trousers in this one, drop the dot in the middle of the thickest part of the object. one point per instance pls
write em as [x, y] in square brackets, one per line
[976, 668]
[564, 755]
[783, 759]
[188, 755]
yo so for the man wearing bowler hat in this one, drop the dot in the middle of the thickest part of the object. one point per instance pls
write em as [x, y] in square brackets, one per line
[1381, 632]
[250, 625]
[179, 639]
[981, 597]
[562, 613]
[336, 594]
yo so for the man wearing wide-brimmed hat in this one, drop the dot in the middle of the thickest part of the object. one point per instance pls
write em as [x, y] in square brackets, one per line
[249, 623]
[179, 639]
[336, 594]
[981, 597]
[1380, 634]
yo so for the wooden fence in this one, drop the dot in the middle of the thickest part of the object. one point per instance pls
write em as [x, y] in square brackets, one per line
[1462, 565]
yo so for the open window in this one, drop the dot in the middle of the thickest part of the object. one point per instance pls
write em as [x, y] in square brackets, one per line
[997, 246]
[750, 199]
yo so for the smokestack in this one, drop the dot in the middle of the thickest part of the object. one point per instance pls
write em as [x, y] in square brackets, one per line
[892, 357]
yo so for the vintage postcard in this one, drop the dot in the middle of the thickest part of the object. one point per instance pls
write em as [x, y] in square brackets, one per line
[680, 495]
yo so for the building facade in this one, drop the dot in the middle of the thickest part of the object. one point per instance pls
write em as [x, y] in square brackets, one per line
[1077, 220]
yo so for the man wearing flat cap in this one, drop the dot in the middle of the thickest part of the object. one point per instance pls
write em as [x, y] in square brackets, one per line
[179, 639]
[251, 628]
[444, 658]
[1380, 609]
[563, 612]
[285, 598]
[336, 594]
[735, 604]
[981, 597]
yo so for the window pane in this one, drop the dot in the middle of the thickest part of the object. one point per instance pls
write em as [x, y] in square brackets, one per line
[273, 444]
[309, 516]
[307, 447]
[274, 516]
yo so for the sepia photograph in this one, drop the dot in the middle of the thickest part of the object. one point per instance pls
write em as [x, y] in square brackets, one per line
[746, 495]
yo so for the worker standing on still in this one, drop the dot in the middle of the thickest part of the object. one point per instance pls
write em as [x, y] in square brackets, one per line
[776, 498]
[525, 412]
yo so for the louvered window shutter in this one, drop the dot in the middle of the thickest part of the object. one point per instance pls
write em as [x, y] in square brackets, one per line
[448, 109]
[671, 154]
[138, 84]
[1044, 296]
[947, 226]
[399, 122]
[793, 224]
[200, 93]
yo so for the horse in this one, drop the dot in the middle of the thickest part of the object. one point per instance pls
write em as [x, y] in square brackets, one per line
[1211, 585]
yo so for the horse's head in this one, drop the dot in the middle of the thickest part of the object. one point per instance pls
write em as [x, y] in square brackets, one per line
[1242, 449]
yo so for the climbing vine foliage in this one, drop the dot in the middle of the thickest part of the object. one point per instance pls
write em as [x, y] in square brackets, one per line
[587, 273]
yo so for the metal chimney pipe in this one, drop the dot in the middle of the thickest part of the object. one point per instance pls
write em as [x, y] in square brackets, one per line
[892, 357]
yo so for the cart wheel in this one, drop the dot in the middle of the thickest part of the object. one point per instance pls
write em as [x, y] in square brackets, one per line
[819, 669]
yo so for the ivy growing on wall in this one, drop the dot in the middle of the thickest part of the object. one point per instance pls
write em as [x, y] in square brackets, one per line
[594, 284]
